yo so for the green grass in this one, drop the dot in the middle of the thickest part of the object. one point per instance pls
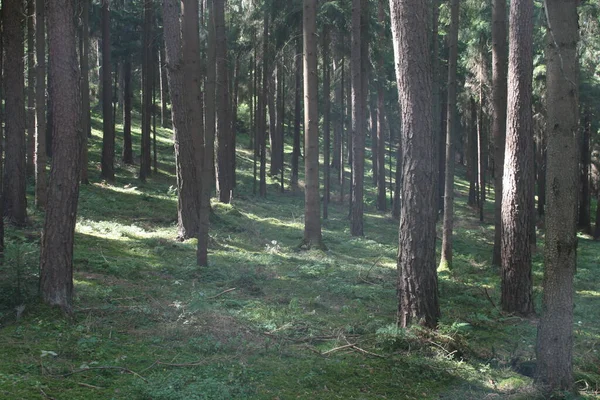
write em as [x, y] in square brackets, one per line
[259, 320]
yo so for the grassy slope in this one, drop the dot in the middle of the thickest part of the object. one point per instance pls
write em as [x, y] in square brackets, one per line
[168, 330]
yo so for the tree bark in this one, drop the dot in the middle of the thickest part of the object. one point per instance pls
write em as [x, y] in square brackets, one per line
[297, 112]
[326, 121]
[223, 152]
[164, 90]
[417, 277]
[312, 215]
[358, 119]
[381, 195]
[40, 106]
[499, 82]
[127, 156]
[108, 135]
[86, 117]
[15, 179]
[185, 137]
[30, 15]
[56, 258]
[517, 194]
[472, 155]
[448, 225]
[584, 223]
[555, 330]
[263, 110]
[147, 80]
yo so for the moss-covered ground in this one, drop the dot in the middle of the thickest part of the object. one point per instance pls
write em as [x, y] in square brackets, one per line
[265, 320]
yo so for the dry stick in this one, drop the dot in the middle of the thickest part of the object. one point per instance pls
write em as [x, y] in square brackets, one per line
[87, 385]
[223, 292]
[117, 368]
[488, 297]
[367, 352]
[338, 348]
[45, 395]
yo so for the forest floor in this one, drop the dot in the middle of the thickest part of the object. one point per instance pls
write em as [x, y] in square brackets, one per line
[265, 320]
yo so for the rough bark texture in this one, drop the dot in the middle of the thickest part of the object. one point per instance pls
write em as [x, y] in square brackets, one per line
[436, 98]
[417, 277]
[555, 331]
[358, 122]
[1, 133]
[312, 215]
[108, 133]
[147, 80]
[499, 66]
[186, 163]
[40, 106]
[517, 193]
[164, 90]
[56, 258]
[448, 225]
[15, 202]
[224, 165]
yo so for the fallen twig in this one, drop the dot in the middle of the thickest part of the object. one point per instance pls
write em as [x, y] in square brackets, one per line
[223, 292]
[45, 395]
[87, 385]
[366, 352]
[123, 369]
[484, 290]
[338, 348]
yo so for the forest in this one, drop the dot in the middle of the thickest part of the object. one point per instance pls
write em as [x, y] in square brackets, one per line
[314, 199]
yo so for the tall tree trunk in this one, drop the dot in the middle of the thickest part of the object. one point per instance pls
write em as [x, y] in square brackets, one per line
[438, 134]
[147, 79]
[499, 67]
[263, 109]
[358, 119]
[127, 156]
[40, 105]
[56, 258]
[343, 107]
[185, 135]
[381, 197]
[164, 90]
[374, 127]
[210, 97]
[223, 152]
[338, 111]
[517, 194]
[30, 15]
[312, 215]
[86, 117]
[108, 135]
[482, 147]
[15, 179]
[584, 223]
[1, 135]
[472, 154]
[297, 111]
[397, 203]
[326, 121]
[555, 330]
[446, 258]
[417, 277]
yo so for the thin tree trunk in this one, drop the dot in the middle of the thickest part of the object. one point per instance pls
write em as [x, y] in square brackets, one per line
[108, 136]
[482, 146]
[164, 90]
[297, 111]
[312, 215]
[358, 118]
[86, 118]
[472, 154]
[326, 121]
[555, 330]
[56, 258]
[499, 68]
[438, 134]
[30, 15]
[15, 179]
[127, 156]
[381, 197]
[223, 152]
[448, 226]
[263, 110]
[517, 194]
[1, 136]
[417, 277]
[40, 105]
[374, 128]
[147, 78]
[584, 223]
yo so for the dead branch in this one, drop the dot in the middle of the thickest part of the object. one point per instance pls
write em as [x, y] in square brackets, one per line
[123, 369]
[223, 292]
[338, 348]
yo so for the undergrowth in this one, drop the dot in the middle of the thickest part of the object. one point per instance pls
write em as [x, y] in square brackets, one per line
[265, 319]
